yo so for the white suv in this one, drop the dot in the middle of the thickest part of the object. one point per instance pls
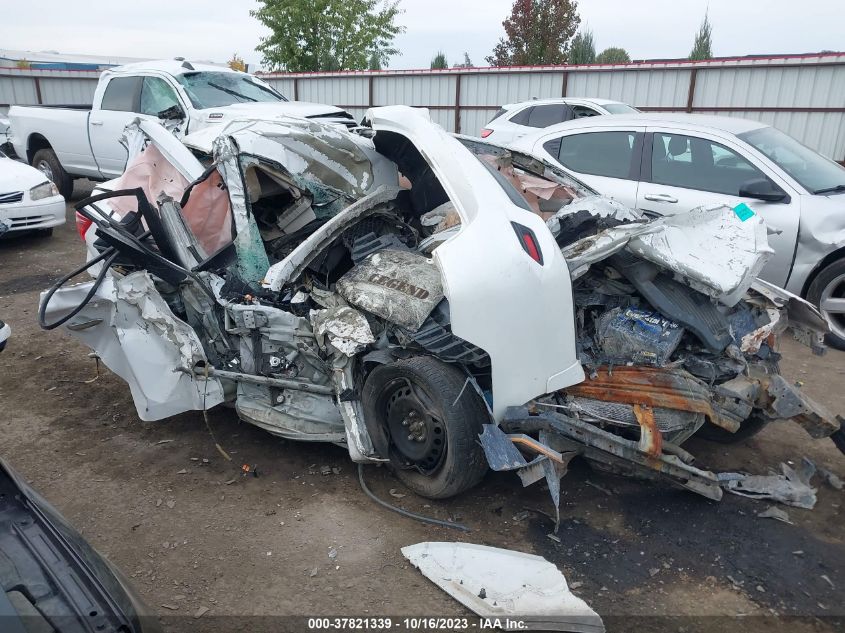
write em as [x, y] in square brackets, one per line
[515, 120]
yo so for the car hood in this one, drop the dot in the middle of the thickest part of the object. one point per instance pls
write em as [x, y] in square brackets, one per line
[68, 574]
[16, 176]
[273, 110]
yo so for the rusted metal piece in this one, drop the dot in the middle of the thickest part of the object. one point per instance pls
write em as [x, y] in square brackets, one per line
[618, 453]
[534, 446]
[651, 441]
[781, 400]
[653, 387]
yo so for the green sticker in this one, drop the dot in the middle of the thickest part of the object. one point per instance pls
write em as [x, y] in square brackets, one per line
[743, 212]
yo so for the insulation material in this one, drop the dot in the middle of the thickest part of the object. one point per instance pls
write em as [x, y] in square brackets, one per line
[344, 327]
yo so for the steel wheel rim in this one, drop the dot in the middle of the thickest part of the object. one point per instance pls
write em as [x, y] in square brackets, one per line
[417, 431]
[44, 167]
[832, 305]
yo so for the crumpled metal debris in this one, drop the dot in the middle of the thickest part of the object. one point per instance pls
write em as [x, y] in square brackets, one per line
[345, 328]
[500, 583]
[773, 512]
[791, 488]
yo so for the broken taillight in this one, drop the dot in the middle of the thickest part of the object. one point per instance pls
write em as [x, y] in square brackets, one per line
[486, 132]
[529, 242]
[82, 224]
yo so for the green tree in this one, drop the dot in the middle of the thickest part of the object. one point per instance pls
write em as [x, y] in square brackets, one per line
[583, 48]
[439, 61]
[313, 35]
[613, 55]
[537, 32]
[702, 47]
[375, 62]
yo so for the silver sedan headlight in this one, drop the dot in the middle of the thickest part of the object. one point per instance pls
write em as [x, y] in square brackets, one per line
[44, 190]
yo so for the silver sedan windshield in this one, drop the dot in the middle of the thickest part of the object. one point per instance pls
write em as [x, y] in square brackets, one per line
[814, 172]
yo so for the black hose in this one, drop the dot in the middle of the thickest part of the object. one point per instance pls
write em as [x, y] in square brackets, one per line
[109, 255]
[410, 515]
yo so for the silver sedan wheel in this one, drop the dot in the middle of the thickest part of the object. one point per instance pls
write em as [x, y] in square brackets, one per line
[44, 167]
[832, 305]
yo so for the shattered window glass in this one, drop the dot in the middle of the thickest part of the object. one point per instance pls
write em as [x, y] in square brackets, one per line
[214, 90]
[157, 96]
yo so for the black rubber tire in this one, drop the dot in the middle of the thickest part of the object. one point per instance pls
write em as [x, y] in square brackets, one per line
[62, 180]
[46, 232]
[755, 423]
[814, 293]
[463, 465]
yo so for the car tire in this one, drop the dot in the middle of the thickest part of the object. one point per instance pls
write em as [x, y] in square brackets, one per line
[432, 418]
[46, 232]
[46, 161]
[830, 284]
[751, 426]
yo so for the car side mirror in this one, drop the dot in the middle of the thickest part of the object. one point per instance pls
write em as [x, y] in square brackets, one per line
[173, 113]
[762, 189]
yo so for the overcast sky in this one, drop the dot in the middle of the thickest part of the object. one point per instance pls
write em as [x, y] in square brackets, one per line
[214, 29]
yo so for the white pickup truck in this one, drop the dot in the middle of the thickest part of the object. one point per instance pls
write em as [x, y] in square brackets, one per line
[67, 142]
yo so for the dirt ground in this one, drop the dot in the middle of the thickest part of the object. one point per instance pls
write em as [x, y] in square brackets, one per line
[190, 531]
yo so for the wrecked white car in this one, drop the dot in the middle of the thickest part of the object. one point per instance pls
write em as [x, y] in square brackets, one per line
[403, 293]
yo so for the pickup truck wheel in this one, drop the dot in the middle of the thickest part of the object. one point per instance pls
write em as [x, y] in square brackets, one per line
[828, 293]
[46, 161]
[432, 419]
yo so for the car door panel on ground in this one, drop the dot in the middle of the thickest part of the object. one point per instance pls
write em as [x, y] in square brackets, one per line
[683, 171]
[607, 159]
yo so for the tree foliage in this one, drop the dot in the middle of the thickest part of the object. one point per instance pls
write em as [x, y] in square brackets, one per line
[583, 48]
[439, 62]
[536, 32]
[702, 47]
[613, 55]
[237, 63]
[314, 35]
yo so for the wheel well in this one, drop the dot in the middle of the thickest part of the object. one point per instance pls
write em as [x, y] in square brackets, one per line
[36, 142]
[829, 259]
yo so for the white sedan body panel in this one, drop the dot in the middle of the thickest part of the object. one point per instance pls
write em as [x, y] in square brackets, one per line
[17, 207]
[131, 328]
[526, 323]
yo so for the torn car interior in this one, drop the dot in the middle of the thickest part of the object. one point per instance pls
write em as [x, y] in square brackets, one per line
[403, 292]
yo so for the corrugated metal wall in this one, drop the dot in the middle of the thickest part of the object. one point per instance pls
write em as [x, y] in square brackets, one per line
[803, 95]
[49, 87]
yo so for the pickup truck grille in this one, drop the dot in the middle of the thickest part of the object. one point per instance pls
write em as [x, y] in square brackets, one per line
[8, 198]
